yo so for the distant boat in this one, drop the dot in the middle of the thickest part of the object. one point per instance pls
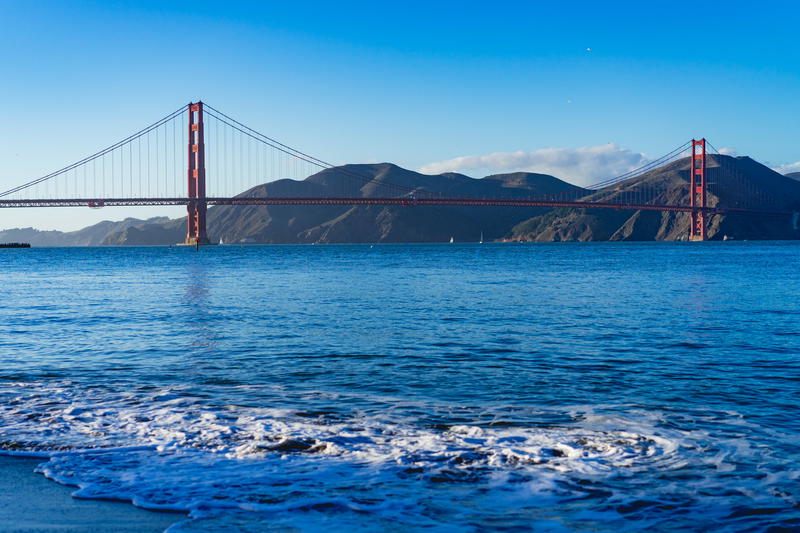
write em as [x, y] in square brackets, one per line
[481, 238]
[451, 240]
[220, 241]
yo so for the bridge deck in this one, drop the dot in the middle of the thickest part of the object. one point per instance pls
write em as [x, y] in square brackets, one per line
[401, 201]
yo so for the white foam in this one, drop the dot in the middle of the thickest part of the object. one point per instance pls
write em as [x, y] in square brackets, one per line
[173, 451]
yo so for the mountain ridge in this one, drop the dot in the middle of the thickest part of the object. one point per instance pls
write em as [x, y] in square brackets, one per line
[375, 224]
[94, 235]
[760, 188]
[292, 224]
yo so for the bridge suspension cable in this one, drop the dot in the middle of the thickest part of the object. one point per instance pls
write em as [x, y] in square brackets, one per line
[741, 191]
[300, 155]
[246, 167]
[647, 167]
[150, 164]
[97, 155]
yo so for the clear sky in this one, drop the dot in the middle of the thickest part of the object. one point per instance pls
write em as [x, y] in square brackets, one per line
[519, 85]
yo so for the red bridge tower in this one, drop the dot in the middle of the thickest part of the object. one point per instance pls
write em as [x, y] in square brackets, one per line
[697, 230]
[196, 226]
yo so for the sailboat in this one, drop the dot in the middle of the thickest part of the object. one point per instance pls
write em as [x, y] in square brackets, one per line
[451, 240]
[481, 241]
[220, 241]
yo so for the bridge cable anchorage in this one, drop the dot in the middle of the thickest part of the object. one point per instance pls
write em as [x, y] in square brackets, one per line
[94, 156]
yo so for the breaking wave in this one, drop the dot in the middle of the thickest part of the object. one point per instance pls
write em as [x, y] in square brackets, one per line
[166, 449]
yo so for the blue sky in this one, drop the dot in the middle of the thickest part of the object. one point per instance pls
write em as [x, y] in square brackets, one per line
[417, 83]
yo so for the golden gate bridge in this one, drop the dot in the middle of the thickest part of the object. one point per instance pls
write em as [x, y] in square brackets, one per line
[148, 169]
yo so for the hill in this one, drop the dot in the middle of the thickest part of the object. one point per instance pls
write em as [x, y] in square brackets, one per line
[371, 224]
[757, 186]
[328, 224]
[94, 235]
[364, 224]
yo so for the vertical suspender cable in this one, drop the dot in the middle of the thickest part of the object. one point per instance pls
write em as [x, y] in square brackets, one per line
[165, 181]
[174, 179]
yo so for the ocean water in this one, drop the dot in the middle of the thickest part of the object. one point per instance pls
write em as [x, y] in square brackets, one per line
[464, 387]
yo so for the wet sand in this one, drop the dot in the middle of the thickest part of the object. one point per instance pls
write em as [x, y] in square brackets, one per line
[30, 503]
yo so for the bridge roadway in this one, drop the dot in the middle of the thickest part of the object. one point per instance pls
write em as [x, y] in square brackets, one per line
[400, 201]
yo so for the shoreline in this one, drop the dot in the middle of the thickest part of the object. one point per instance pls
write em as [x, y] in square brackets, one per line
[31, 503]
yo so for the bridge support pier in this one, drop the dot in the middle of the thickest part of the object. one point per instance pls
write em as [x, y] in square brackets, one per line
[196, 226]
[697, 188]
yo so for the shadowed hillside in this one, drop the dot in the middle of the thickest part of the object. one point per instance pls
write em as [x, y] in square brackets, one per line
[733, 182]
[106, 232]
[369, 224]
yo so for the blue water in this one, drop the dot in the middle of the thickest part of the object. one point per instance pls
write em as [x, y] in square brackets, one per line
[546, 387]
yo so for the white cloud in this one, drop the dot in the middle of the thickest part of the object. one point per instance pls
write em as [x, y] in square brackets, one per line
[786, 169]
[581, 166]
[727, 151]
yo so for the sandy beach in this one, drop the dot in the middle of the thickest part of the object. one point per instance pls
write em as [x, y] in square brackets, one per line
[31, 503]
